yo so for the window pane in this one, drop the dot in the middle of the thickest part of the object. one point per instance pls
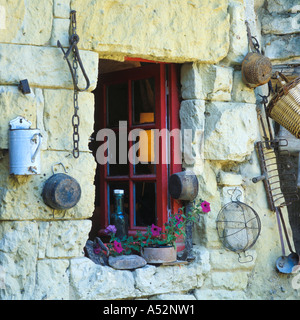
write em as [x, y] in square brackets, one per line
[118, 161]
[145, 203]
[117, 104]
[144, 150]
[110, 196]
[143, 101]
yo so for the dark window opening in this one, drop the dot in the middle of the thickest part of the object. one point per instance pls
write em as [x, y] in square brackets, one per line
[146, 96]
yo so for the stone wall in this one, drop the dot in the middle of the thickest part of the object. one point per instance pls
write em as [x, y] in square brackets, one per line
[38, 242]
[42, 249]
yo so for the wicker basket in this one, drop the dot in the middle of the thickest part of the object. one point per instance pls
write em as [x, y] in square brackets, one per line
[284, 107]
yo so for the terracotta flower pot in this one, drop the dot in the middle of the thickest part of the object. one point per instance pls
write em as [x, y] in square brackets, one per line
[159, 254]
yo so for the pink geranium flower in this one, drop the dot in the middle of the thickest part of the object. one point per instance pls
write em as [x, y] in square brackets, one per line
[118, 246]
[205, 206]
[155, 230]
[179, 219]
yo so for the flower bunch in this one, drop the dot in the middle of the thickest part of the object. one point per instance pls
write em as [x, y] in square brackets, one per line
[155, 236]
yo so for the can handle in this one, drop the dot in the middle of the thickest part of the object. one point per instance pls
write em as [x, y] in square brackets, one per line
[56, 164]
[38, 146]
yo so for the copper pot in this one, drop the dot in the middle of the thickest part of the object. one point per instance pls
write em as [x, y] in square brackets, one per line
[256, 69]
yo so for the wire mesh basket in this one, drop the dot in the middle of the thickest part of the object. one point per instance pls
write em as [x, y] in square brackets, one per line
[238, 227]
[284, 107]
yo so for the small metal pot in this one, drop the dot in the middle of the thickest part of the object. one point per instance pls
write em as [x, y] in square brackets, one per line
[61, 191]
[183, 185]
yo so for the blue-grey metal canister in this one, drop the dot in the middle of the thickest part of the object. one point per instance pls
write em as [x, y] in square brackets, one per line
[24, 148]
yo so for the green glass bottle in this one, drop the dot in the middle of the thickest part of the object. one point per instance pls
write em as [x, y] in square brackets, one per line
[119, 217]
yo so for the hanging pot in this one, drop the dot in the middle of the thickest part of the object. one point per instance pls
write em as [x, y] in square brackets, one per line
[256, 69]
[61, 191]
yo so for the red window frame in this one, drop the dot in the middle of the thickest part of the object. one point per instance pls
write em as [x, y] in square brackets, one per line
[166, 114]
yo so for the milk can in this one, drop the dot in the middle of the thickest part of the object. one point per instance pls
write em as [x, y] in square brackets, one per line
[24, 148]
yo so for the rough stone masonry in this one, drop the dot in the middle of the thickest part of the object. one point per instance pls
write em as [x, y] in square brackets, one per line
[41, 250]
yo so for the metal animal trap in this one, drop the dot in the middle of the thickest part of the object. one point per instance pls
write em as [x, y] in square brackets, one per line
[238, 227]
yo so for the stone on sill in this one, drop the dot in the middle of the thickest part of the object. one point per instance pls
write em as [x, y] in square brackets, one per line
[127, 262]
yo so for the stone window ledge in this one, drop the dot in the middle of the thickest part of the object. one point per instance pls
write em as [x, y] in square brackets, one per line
[91, 281]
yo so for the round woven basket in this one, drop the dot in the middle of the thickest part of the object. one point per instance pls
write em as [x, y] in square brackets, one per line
[284, 107]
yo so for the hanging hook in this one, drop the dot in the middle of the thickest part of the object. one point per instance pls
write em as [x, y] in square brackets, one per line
[245, 257]
[74, 39]
[231, 192]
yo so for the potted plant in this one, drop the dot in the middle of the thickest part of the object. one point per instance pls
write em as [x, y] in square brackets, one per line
[156, 245]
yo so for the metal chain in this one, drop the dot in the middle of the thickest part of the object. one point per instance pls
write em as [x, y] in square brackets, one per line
[75, 117]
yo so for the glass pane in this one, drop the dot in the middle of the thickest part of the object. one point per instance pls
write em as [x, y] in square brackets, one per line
[118, 162]
[117, 104]
[145, 203]
[143, 101]
[110, 196]
[144, 151]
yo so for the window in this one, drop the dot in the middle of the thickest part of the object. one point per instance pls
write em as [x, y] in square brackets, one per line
[141, 98]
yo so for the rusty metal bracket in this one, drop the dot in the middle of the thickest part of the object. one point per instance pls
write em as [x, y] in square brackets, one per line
[74, 39]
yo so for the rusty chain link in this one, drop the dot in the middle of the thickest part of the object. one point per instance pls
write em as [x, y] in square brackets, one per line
[74, 39]
[75, 117]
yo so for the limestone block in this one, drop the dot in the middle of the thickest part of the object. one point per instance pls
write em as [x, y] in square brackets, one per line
[191, 83]
[229, 179]
[151, 280]
[282, 6]
[90, 281]
[173, 296]
[282, 47]
[208, 188]
[219, 294]
[170, 29]
[208, 82]
[27, 22]
[192, 129]
[230, 281]
[58, 113]
[43, 66]
[238, 34]
[222, 84]
[21, 199]
[240, 92]
[281, 25]
[61, 8]
[56, 286]
[18, 255]
[13, 103]
[228, 260]
[230, 132]
[60, 32]
[67, 238]
[43, 237]
[40, 117]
